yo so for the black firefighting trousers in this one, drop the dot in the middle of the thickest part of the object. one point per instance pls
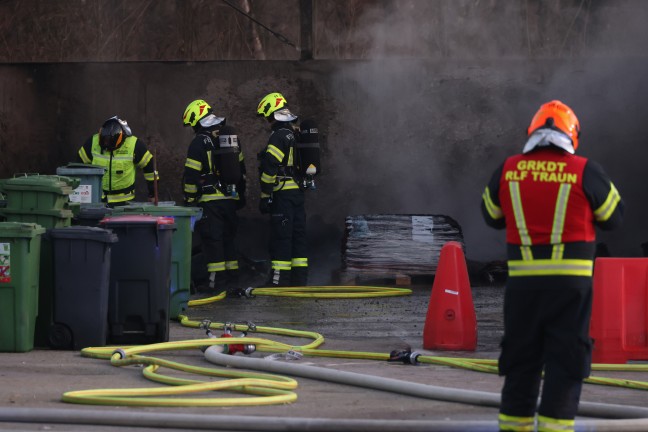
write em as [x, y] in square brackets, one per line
[288, 239]
[217, 230]
[546, 325]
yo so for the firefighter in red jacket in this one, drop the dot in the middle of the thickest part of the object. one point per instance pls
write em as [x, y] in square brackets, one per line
[550, 201]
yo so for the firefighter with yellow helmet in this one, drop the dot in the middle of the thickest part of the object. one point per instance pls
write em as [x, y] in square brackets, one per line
[288, 164]
[549, 201]
[214, 179]
[116, 149]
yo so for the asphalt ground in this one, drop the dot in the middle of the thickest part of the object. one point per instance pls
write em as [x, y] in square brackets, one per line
[37, 379]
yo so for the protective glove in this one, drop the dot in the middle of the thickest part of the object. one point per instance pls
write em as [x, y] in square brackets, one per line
[264, 205]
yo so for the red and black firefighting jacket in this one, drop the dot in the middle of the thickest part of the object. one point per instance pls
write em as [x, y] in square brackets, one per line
[550, 201]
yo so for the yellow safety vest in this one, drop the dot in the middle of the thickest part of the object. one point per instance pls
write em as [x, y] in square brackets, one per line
[120, 168]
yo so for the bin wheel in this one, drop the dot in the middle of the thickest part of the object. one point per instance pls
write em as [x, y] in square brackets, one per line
[60, 336]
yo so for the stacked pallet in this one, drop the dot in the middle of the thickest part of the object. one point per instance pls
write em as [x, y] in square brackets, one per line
[396, 246]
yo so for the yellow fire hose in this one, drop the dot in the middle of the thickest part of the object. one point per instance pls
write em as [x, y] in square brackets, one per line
[322, 292]
[265, 389]
[268, 389]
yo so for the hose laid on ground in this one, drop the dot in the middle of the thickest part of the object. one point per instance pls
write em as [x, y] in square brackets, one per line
[271, 390]
[249, 383]
[322, 292]
[207, 300]
[267, 389]
[590, 409]
[231, 422]
[329, 292]
[216, 422]
[478, 365]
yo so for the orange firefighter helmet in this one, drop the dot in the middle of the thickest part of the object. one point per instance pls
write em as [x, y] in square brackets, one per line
[557, 115]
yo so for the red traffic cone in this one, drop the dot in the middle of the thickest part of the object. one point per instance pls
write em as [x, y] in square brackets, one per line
[451, 323]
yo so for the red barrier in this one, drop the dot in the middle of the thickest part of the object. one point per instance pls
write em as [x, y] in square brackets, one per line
[451, 323]
[619, 323]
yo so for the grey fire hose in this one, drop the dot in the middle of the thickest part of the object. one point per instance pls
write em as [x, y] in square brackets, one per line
[214, 355]
[130, 418]
[232, 422]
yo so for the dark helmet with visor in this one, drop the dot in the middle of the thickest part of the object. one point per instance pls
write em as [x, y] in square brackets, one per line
[113, 133]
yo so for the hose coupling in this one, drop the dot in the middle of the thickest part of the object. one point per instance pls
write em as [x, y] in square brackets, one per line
[404, 356]
[413, 358]
[251, 326]
[249, 349]
[248, 292]
[228, 327]
[204, 324]
[121, 352]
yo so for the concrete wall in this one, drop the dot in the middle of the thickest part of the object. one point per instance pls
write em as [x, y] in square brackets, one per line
[398, 136]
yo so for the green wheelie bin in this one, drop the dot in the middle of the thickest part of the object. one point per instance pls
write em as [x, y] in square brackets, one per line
[44, 200]
[19, 272]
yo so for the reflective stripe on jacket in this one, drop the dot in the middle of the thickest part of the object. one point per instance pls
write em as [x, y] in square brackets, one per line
[277, 161]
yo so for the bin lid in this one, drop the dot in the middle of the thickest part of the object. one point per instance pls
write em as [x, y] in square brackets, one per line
[42, 183]
[148, 203]
[84, 233]
[137, 219]
[75, 168]
[20, 229]
[161, 210]
[94, 212]
[60, 213]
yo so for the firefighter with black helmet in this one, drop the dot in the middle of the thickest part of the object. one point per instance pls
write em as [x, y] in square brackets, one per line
[116, 149]
[214, 179]
[549, 200]
[288, 165]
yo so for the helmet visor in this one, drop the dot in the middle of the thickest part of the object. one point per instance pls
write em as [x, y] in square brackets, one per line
[110, 142]
[284, 115]
[211, 120]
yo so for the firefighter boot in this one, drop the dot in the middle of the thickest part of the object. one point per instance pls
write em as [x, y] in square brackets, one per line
[217, 284]
[278, 278]
[299, 277]
[233, 288]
